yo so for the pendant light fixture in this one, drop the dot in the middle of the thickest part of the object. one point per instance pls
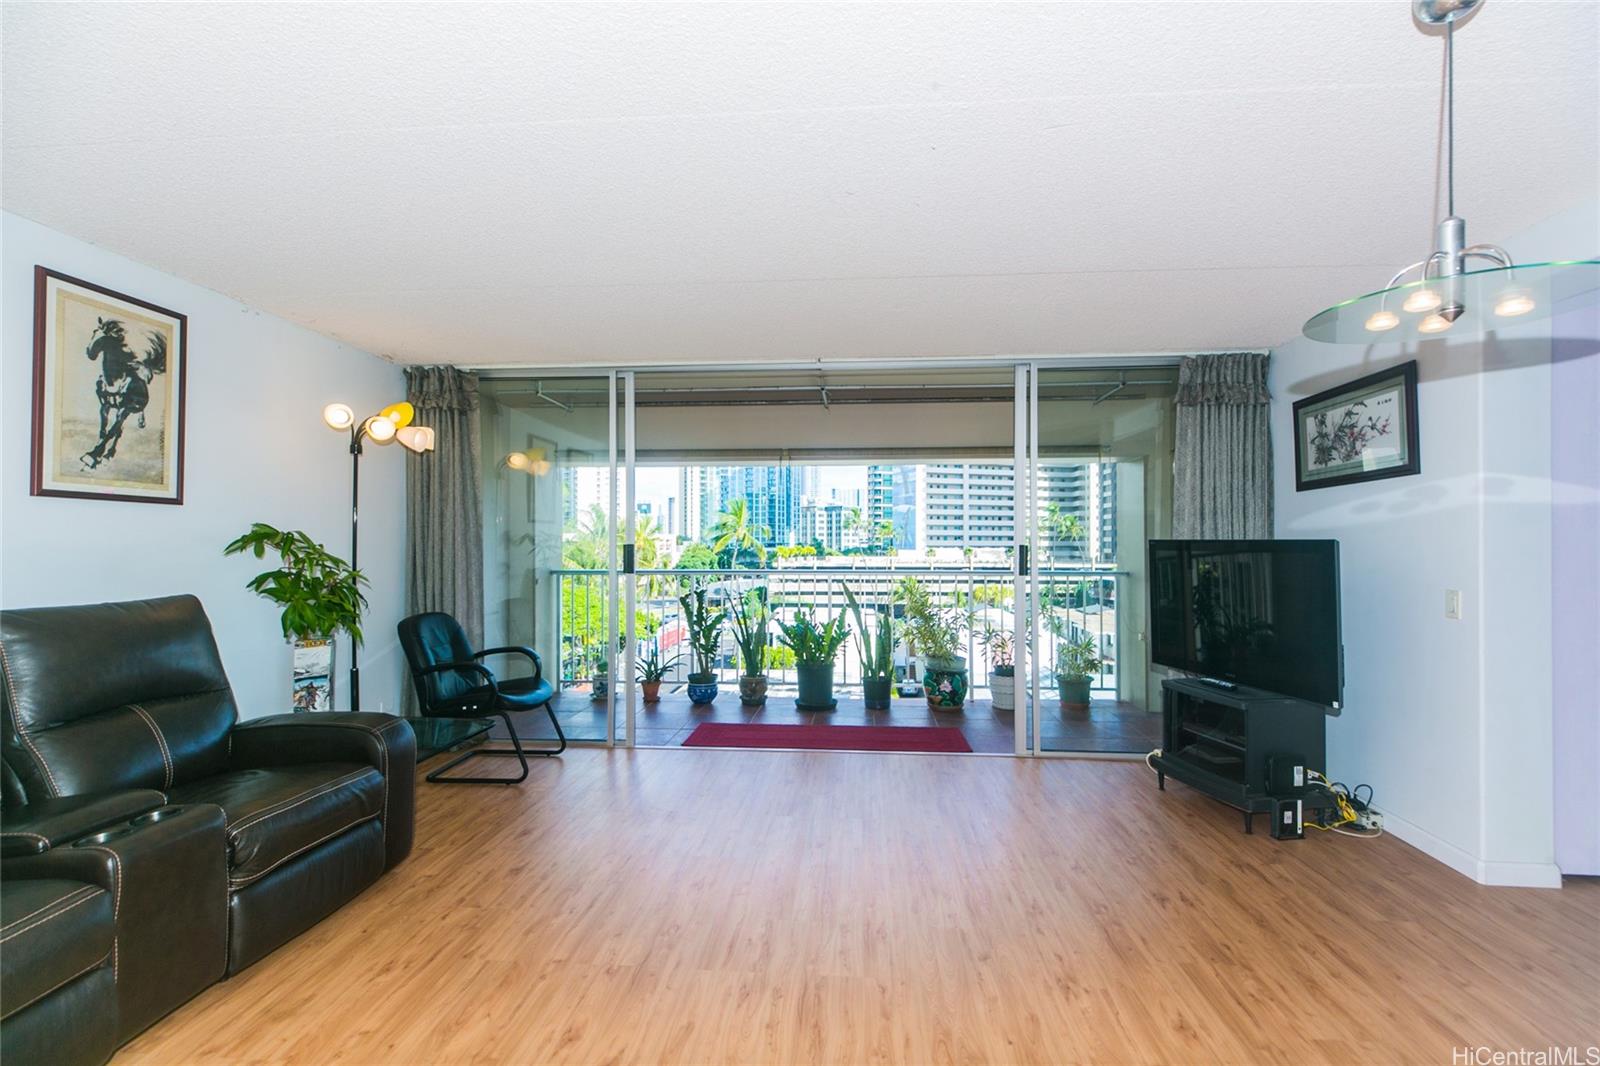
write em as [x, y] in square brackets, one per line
[1446, 296]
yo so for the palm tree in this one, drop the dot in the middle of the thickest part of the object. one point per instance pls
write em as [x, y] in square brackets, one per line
[736, 531]
[1064, 527]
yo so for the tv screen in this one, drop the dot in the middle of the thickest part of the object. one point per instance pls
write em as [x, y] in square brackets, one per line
[1259, 613]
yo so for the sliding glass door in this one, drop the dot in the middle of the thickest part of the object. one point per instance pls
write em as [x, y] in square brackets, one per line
[1098, 458]
[554, 463]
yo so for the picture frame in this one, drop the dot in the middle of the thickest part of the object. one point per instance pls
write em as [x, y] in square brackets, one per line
[109, 375]
[1363, 430]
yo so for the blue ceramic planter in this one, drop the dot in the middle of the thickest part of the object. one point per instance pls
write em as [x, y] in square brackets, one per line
[702, 691]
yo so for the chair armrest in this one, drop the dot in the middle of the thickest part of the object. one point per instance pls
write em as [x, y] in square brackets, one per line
[533, 657]
[384, 741]
[35, 828]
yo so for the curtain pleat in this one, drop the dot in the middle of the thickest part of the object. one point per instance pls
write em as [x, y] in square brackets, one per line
[444, 504]
[1222, 463]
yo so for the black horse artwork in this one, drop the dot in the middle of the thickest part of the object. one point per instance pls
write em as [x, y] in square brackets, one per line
[123, 386]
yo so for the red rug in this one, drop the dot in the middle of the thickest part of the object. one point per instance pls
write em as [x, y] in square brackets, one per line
[828, 737]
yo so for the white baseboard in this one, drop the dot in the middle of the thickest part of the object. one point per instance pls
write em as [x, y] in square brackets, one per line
[1506, 874]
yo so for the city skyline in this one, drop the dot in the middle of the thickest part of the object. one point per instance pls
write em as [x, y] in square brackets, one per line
[932, 506]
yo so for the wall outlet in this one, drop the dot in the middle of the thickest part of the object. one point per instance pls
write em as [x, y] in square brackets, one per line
[1373, 819]
[1452, 604]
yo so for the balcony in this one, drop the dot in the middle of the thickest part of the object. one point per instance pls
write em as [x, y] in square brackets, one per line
[1081, 600]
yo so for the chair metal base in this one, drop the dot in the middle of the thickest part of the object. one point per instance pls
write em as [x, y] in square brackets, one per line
[516, 752]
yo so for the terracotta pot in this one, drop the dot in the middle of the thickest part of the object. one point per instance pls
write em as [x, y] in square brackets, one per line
[753, 690]
[651, 690]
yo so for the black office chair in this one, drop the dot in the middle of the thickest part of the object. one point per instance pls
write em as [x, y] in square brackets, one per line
[452, 683]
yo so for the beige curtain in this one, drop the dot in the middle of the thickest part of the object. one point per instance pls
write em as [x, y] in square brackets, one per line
[1222, 463]
[444, 504]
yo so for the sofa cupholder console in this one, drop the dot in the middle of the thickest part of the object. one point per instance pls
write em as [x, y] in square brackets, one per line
[156, 815]
[172, 929]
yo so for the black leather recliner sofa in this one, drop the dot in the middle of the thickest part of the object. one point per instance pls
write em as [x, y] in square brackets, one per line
[132, 790]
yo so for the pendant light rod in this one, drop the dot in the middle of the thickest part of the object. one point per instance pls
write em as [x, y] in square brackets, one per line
[1450, 116]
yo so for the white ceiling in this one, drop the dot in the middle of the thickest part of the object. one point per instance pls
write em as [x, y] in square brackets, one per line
[611, 183]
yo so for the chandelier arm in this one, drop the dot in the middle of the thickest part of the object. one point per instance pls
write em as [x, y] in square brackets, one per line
[1427, 270]
[1492, 252]
[1403, 271]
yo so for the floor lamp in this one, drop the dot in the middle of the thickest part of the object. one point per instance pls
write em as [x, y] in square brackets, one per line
[393, 423]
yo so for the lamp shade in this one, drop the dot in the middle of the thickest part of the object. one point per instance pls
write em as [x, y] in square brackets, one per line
[338, 416]
[417, 438]
[380, 428]
[400, 414]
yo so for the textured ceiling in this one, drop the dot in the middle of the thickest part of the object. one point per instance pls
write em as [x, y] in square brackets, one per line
[604, 184]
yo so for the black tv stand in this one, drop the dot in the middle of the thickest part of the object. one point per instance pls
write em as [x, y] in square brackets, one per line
[1217, 740]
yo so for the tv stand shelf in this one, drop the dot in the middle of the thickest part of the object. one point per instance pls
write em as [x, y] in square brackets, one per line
[1218, 739]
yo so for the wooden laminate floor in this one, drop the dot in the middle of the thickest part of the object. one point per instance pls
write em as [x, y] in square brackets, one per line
[785, 907]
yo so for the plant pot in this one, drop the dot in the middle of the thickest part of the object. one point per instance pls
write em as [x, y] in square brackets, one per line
[816, 685]
[1003, 691]
[598, 688]
[944, 682]
[753, 690]
[702, 688]
[651, 690]
[877, 691]
[311, 675]
[1074, 693]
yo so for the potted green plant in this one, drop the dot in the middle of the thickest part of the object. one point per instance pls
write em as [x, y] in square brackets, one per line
[1002, 668]
[320, 595]
[935, 633]
[751, 632]
[877, 652]
[1077, 663]
[815, 647]
[652, 671]
[705, 640]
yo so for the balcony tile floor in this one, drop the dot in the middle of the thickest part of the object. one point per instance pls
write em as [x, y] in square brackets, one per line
[1110, 726]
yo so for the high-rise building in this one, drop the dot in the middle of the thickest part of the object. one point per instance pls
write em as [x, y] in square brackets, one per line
[772, 493]
[880, 503]
[972, 505]
[699, 493]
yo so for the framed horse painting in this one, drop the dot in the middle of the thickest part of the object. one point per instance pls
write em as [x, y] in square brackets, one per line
[108, 406]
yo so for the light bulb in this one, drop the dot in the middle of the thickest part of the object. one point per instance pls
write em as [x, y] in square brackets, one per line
[517, 461]
[338, 416]
[1514, 303]
[1433, 324]
[1421, 300]
[1382, 320]
[417, 438]
[380, 429]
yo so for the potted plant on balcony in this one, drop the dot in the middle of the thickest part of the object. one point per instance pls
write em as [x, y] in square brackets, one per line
[751, 632]
[935, 633]
[652, 671]
[1077, 663]
[1002, 668]
[320, 594]
[815, 647]
[705, 640]
[877, 652]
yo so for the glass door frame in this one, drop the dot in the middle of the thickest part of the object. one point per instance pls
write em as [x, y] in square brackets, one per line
[621, 584]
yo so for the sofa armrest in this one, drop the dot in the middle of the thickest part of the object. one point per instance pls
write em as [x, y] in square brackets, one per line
[380, 740]
[37, 827]
[167, 872]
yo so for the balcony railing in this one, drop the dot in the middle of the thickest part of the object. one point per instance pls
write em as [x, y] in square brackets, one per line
[1081, 601]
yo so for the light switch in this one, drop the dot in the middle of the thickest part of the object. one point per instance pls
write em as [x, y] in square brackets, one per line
[1452, 603]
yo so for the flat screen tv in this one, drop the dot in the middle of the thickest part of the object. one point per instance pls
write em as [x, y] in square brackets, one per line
[1263, 614]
